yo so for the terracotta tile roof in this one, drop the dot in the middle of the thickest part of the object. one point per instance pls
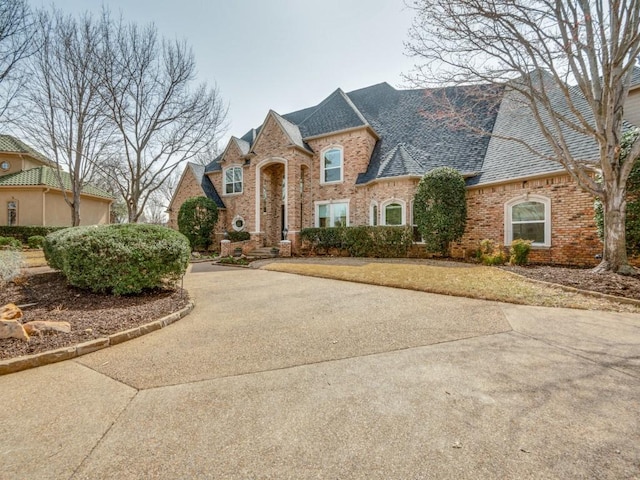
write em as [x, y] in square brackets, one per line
[47, 176]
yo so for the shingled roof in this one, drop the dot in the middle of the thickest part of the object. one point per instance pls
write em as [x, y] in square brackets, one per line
[47, 177]
[207, 187]
[412, 140]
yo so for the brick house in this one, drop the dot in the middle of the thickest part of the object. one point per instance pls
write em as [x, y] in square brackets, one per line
[357, 157]
[31, 194]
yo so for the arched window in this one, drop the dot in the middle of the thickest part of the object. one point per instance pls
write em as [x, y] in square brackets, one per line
[528, 218]
[233, 180]
[332, 162]
[393, 212]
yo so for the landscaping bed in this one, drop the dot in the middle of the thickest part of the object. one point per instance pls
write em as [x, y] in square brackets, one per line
[584, 279]
[91, 315]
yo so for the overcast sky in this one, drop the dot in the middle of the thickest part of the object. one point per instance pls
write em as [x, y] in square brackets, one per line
[277, 54]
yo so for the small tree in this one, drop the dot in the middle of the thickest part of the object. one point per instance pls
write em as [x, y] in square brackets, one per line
[440, 208]
[632, 212]
[196, 219]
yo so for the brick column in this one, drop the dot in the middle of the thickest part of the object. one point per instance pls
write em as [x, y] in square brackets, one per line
[285, 248]
[225, 248]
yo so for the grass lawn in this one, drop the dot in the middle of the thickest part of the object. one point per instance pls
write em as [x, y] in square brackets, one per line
[486, 283]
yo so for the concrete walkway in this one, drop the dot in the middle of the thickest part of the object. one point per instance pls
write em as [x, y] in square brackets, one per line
[281, 376]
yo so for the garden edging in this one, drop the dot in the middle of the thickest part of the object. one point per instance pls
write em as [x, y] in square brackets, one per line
[13, 365]
[591, 293]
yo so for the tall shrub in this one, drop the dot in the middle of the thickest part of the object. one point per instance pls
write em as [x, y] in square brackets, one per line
[440, 208]
[196, 220]
[119, 259]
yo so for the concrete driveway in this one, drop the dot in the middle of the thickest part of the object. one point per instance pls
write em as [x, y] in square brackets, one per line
[281, 376]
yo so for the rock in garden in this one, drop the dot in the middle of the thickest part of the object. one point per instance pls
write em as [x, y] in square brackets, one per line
[12, 329]
[10, 311]
[39, 326]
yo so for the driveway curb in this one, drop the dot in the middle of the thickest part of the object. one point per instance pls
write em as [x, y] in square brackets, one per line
[13, 365]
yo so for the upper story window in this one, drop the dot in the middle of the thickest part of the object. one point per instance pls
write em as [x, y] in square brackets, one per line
[233, 180]
[528, 218]
[393, 213]
[332, 163]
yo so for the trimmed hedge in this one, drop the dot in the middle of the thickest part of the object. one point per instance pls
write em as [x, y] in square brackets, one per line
[362, 241]
[196, 220]
[23, 233]
[238, 236]
[35, 241]
[10, 243]
[120, 259]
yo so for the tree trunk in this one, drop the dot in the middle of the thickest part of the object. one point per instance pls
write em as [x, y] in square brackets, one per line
[614, 255]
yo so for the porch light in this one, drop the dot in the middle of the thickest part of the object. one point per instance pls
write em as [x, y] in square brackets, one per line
[284, 233]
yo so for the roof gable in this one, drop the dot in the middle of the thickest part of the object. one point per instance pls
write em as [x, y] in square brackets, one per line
[286, 133]
[335, 113]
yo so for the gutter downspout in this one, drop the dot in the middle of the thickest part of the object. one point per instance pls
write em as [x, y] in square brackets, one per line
[44, 204]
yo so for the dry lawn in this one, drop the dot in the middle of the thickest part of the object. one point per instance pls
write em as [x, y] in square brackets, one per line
[480, 282]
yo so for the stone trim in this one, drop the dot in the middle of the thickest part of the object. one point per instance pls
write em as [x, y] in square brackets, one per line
[13, 365]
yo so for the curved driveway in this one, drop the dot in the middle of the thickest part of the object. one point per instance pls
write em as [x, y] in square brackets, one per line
[281, 376]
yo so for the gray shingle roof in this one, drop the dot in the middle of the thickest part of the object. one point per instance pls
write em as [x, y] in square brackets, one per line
[412, 140]
[207, 187]
[506, 159]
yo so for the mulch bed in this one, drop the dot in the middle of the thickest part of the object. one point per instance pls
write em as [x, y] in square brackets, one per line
[584, 279]
[91, 315]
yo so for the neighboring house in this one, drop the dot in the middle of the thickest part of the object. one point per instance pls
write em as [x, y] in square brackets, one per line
[356, 159]
[30, 191]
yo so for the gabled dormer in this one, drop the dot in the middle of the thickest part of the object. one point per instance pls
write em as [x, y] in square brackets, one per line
[278, 133]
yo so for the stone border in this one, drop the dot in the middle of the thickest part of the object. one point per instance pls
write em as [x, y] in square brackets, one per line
[13, 365]
[589, 293]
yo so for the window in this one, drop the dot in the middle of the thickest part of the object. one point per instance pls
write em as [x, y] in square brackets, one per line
[529, 219]
[373, 214]
[233, 180]
[238, 223]
[332, 165]
[332, 214]
[393, 213]
[12, 213]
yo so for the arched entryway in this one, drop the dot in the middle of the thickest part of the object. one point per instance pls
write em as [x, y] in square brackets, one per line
[271, 200]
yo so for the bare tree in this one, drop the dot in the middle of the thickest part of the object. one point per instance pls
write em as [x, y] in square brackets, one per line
[16, 44]
[161, 119]
[568, 62]
[62, 111]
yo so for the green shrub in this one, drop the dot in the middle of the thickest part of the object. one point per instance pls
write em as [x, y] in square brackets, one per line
[363, 241]
[11, 263]
[35, 241]
[196, 220]
[120, 259]
[440, 208]
[10, 243]
[491, 253]
[238, 236]
[23, 233]
[519, 252]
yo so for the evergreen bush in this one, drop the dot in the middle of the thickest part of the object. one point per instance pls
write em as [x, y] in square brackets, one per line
[440, 208]
[519, 252]
[491, 253]
[11, 263]
[361, 241]
[196, 220]
[35, 241]
[10, 243]
[119, 259]
[238, 236]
